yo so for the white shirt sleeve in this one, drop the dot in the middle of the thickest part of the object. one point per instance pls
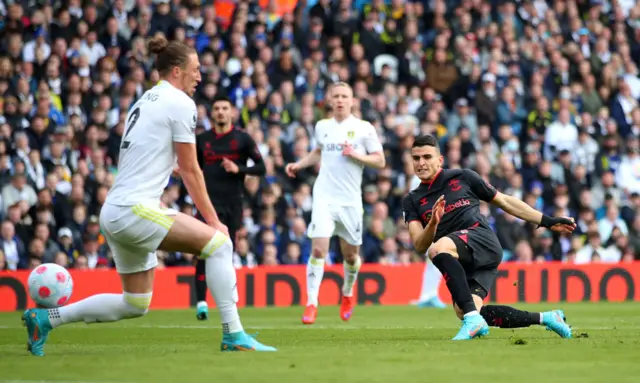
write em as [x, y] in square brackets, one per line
[183, 123]
[371, 140]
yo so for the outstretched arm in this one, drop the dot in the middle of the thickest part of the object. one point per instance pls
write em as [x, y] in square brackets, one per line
[523, 211]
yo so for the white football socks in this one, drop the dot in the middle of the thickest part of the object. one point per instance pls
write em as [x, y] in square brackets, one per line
[431, 279]
[221, 280]
[101, 308]
[315, 272]
[350, 276]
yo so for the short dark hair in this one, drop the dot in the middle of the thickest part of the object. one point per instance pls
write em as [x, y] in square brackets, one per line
[425, 140]
[221, 98]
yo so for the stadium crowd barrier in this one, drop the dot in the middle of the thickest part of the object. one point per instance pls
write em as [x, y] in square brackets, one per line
[377, 284]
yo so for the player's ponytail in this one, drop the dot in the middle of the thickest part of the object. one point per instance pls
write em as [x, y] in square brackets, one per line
[169, 54]
[158, 44]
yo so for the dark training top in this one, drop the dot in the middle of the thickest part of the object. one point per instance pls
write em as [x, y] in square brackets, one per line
[462, 190]
[237, 146]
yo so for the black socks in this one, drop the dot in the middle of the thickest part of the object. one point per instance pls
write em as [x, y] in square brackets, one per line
[456, 280]
[508, 317]
[201, 281]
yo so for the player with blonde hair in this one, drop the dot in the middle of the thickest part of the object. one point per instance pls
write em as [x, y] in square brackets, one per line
[346, 145]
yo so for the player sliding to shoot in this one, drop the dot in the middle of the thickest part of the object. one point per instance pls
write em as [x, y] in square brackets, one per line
[443, 215]
[160, 130]
[346, 145]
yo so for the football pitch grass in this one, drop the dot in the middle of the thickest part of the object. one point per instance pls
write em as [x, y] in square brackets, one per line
[380, 344]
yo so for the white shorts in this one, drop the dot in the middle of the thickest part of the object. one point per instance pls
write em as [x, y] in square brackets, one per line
[134, 233]
[343, 221]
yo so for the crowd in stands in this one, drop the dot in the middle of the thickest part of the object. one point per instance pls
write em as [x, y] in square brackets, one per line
[541, 98]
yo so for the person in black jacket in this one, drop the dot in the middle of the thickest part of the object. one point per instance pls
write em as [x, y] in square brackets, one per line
[223, 153]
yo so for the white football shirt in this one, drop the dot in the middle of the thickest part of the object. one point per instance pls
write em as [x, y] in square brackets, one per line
[162, 116]
[340, 179]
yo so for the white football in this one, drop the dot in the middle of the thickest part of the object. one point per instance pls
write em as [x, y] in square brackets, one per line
[50, 285]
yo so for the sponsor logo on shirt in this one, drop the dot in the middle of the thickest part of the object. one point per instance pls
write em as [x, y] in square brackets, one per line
[331, 147]
[426, 216]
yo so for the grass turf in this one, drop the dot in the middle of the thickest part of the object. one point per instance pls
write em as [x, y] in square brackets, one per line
[380, 344]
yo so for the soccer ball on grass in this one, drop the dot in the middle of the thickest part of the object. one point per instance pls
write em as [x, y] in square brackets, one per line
[50, 285]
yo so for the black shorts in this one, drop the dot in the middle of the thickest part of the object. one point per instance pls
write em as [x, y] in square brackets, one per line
[480, 254]
[230, 214]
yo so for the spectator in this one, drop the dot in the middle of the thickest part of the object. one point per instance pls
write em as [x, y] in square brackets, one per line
[18, 190]
[594, 250]
[12, 247]
[51, 248]
[296, 235]
[462, 118]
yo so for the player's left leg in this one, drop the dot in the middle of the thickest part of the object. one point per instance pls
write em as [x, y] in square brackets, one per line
[232, 217]
[349, 229]
[188, 235]
[351, 264]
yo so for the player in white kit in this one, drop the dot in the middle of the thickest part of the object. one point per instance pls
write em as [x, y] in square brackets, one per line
[160, 131]
[346, 145]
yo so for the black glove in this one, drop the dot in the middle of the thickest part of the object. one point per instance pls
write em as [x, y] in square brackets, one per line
[548, 222]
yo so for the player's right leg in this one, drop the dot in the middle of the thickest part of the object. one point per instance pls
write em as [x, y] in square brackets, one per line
[315, 273]
[140, 225]
[193, 236]
[320, 231]
[349, 228]
[132, 303]
[445, 255]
